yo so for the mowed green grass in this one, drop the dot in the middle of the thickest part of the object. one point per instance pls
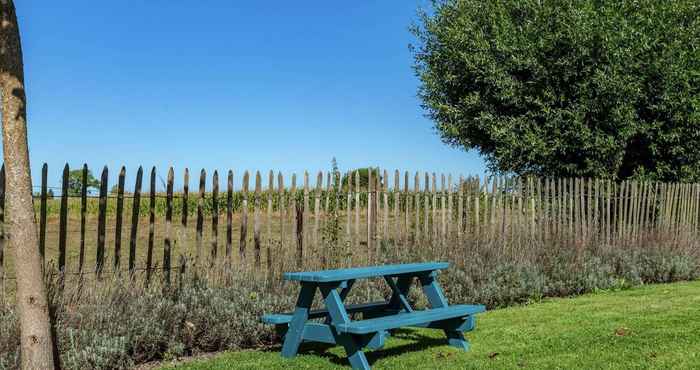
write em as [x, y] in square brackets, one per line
[651, 327]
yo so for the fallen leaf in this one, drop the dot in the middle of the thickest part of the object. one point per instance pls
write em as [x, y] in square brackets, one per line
[622, 331]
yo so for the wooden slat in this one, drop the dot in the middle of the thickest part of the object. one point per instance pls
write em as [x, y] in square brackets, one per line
[244, 218]
[168, 240]
[358, 206]
[200, 220]
[297, 217]
[213, 253]
[270, 204]
[397, 208]
[443, 209]
[270, 194]
[43, 211]
[477, 206]
[184, 241]
[102, 222]
[317, 209]
[426, 208]
[229, 216]
[328, 193]
[417, 202]
[407, 209]
[135, 210]
[294, 208]
[348, 208]
[256, 218]
[450, 210]
[119, 219]
[63, 221]
[460, 210]
[305, 206]
[282, 209]
[83, 221]
[299, 222]
[434, 208]
[370, 202]
[384, 185]
[151, 224]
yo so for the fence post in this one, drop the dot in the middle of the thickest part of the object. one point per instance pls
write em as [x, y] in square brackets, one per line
[358, 206]
[151, 225]
[135, 210]
[244, 218]
[167, 245]
[119, 219]
[282, 209]
[317, 211]
[63, 224]
[102, 222]
[184, 242]
[200, 220]
[229, 217]
[214, 218]
[256, 218]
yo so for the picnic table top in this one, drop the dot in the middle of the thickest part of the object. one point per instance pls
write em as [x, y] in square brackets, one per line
[326, 276]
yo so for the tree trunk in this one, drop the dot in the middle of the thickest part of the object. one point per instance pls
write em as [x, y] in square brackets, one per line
[32, 305]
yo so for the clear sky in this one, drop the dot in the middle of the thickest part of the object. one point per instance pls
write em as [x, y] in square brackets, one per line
[225, 84]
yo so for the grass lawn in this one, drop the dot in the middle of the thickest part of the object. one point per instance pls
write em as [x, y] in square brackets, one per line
[656, 326]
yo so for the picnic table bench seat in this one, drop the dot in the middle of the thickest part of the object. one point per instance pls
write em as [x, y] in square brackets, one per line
[415, 318]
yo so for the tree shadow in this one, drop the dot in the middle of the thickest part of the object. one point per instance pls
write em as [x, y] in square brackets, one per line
[419, 342]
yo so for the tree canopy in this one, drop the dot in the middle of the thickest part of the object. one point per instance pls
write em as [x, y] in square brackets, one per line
[75, 182]
[594, 88]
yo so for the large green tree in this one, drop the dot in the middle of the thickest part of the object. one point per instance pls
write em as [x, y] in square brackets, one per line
[566, 88]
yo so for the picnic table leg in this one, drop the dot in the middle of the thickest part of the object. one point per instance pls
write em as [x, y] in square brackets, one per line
[399, 294]
[338, 314]
[436, 298]
[294, 335]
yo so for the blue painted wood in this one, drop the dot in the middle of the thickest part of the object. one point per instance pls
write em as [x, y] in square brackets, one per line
[378, 317]
[408, 319]
[338, 315]
[433, 291]
[353, 349]
[377, 340]
[294, 335]
[334, 304]
[277, 319]
[365, 308]
[328, 276]
[399, 292]
[460, 324]
[437, 300]
[315, 332]
[346, 288]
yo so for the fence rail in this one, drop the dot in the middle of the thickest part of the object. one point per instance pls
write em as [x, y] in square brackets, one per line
[339, 220]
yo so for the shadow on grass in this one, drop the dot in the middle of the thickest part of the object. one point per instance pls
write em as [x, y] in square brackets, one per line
[418, 343]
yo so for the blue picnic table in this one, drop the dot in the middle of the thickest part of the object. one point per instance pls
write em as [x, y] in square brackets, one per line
[378, 318]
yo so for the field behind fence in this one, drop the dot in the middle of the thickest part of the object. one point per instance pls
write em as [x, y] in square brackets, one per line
[324, 220]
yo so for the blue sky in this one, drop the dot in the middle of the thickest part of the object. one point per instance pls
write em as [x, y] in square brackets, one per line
[227, 84]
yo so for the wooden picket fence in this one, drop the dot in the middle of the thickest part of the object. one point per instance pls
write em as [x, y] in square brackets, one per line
[341, 220]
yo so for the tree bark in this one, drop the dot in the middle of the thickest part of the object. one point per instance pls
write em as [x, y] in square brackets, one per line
[32, 305]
